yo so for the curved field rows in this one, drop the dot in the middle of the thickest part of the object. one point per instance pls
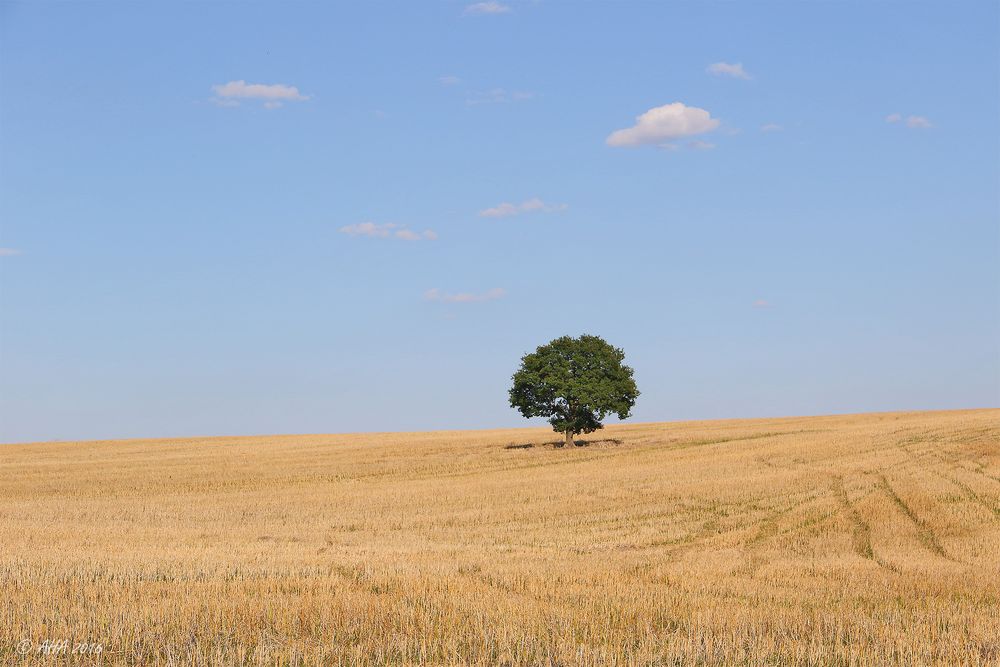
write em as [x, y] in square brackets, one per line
[855, 540]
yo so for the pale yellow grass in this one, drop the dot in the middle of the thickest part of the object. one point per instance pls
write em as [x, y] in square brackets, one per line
[864, 539]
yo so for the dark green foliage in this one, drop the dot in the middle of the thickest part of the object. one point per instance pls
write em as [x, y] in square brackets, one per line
[576, 383]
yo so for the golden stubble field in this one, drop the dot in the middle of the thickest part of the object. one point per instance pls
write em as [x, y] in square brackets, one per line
[855, 540]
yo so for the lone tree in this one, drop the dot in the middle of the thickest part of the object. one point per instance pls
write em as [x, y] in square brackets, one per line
[576, 383]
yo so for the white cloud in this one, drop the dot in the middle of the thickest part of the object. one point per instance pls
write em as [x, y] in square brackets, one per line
[912, 122]
[503, 210]
[507, 209]
[489, 7]
[410, 235]
[449, 80]
[771, 127]
[368, 229]
[465, 297]
[700, 145]
[273, 95]
[499, 96]
[734, 70]
[387, 230]
[761, 303]
[663, 124]
[9, 252]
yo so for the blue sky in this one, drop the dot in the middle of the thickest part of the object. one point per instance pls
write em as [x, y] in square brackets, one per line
[249, 218]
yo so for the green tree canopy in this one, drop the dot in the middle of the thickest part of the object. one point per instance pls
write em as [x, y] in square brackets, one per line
[576, 383]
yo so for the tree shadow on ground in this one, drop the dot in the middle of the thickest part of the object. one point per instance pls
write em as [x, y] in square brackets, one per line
[600, 442]
[559, 444]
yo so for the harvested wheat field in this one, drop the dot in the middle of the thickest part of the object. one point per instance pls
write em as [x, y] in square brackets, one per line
[862, 539]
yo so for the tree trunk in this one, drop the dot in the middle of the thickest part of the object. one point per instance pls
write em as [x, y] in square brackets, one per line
[569, 438]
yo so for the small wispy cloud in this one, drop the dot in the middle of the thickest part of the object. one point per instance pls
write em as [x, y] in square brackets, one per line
[465, 297]
[449, 80]
[489, 7]
[499, 96]
[388, 230]
[761, 303]
[272, 95]
[734, 70]
[533, 205]
[700, 145]
[913, 122]
[771, 127]
[410, 235]
[664, 124]
[9, 252]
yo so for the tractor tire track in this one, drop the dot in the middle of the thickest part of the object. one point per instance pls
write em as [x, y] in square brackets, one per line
[924, 532]
[861, 532]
